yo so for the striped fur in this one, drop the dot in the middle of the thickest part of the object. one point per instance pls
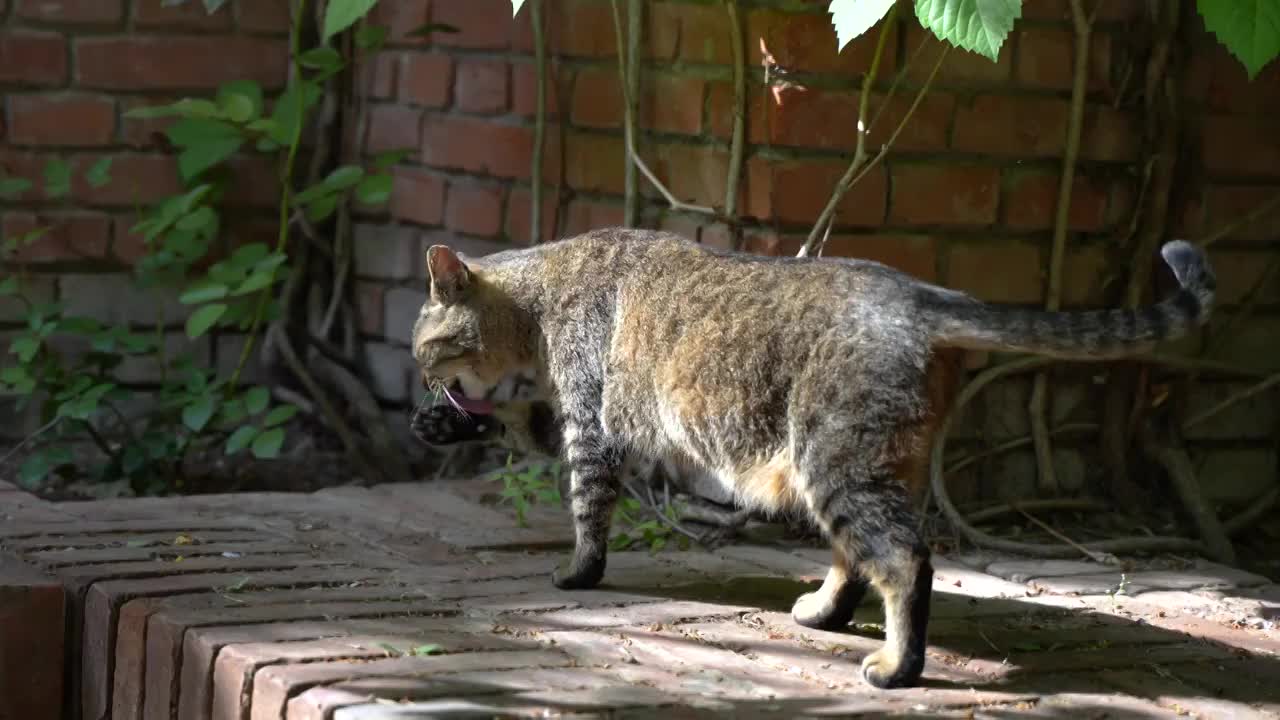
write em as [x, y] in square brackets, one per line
[802, 384]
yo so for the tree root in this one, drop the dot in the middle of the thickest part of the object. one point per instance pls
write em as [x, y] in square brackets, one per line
[1169, 451]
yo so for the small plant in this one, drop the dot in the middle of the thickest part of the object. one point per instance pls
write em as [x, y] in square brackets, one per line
[643, 526]
[535, 484]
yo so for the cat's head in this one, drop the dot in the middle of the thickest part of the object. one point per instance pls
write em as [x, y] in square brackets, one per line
[469, 335]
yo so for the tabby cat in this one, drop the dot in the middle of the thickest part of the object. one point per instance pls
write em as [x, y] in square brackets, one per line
[802, 384]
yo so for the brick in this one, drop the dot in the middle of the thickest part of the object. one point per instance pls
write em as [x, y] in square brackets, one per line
[481, 86]
[1046, 58]
[807, 42]
[1109, 135]
[1226, 87]
[693, 175]
[479, 146]
[267, 16]
[912, 254]
[417, 196]
[72, 236]
[519, 215]
[584, 215]
[425, 79]
[36, 59]
[393, 127]
[401, 18]
[116, 299]
[828, 119]
[586, 30]
[61, 120]
[38, 290]
[144, 133]
[594, 163]
[135, 179]
[1031, 202]
[392, 371]
[799, 191]
[31, 642]
[386, 252]
[379, 76]
[597, 99]
[1011, 125]
[944, 194]
[996, 272]
[960, 69]
[673, 104]
[474, 209]
[188, 16]
[178, 62]
[368, 301]
[1060, 10]
[524, 87]
[1239, 145]
[401, 308]
[72, 12]
[254, 182]
[1085, 270]
[482, 24]
[466, 524]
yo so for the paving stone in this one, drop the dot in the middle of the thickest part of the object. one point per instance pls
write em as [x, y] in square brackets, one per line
[717, 564]
[1020, 571]
[660, 613]
[25, 529]
[237, 664]
[1099, 584]
[113, 644]
[1218, 576]
[549, 600]
[32, 617]
[776, 561]
[324, 702]
[166, 628]
[275, 684]
[1169, 692]
[531, 704]
[469, 525]
[144, 539]
[54, 559]
[1241, 679]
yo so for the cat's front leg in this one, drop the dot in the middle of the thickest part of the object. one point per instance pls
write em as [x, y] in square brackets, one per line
[594, 466]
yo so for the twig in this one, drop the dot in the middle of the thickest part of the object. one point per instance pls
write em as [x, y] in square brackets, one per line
[30, 438]
[854, 174]
[1232, 399]
[652, 504]
[1047, 479]
[983, 539]
[1064, 504]
[539, 122]
[955, 464]
[625, 76]
[818, 232]
[1098, 557]
[1265, 208]
[738, 142]
[1170, 452]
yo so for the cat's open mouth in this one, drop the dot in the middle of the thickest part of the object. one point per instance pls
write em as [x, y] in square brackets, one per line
[453, 394]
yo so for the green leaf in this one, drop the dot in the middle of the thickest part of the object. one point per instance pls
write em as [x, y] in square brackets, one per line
[344, 177]
[384, 160]
[375, 189]
[11, 188]
[428, 649]
[515, 6]
[57, 178]
[977, 25]
[1250, 29]
[246, 89]
[256, 399]
[371, 37]
[240, 439]
[279, 416]
[429, 28]
[342, 14]
[25, 348]
[205, 143]
[237, 108]
[255, 282]
[100, 173]
[322, 208]
[203, 292]
[285, 115]
[851, 18]
[321, 58]
[9, 286]
[196, 415]
[267, 445]
[203, 319]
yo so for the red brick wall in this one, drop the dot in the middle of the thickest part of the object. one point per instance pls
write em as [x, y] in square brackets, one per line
[966, 198]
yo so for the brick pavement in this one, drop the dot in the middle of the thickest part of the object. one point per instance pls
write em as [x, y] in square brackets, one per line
[424, 601]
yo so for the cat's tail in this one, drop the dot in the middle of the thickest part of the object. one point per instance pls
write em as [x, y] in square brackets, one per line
[961, 321]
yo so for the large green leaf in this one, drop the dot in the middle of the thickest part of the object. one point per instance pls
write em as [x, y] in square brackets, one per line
[1250, 29]
[196, 415]
[204, 143]
[57, 178]
[342, 14]
[977, 25]
[267, 445]
[203, 319]
[854, 17]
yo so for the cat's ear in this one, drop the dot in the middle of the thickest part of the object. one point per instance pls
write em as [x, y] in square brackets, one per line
[450, 277]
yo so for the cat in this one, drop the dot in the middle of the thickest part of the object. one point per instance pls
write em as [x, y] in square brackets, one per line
[803, 384]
